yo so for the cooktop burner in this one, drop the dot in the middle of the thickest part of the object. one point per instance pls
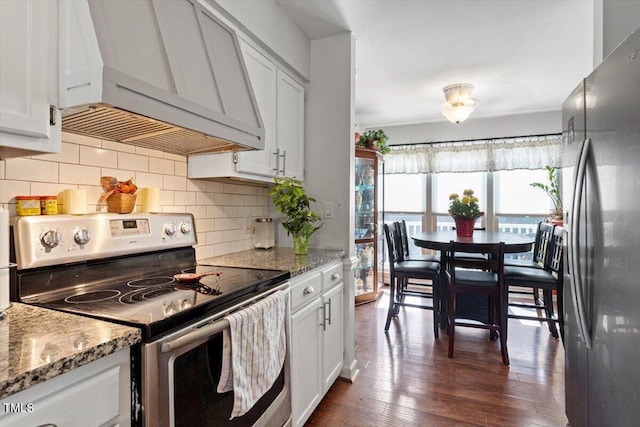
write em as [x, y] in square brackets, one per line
[142, 291]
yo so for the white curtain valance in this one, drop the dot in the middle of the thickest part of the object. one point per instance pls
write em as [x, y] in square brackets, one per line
[532, 152]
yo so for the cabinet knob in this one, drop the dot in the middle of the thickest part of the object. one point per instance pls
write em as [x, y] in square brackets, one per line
[308, 290]
[335, 276]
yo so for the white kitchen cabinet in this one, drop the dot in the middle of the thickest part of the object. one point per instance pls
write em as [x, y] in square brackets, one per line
[316, 337]
[98, 394]
[281, 102]
[29, 120]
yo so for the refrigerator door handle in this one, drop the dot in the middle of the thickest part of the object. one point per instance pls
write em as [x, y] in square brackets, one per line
[574, 244]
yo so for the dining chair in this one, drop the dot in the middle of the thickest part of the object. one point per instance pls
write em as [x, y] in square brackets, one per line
[402, 275]
[406, 248]
[483, 277]
[548, 279]
[544, 233]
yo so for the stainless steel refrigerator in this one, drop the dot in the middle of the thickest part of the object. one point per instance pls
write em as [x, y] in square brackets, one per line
[601, 192]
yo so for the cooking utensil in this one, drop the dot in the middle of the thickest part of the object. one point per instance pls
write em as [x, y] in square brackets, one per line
[193, 277]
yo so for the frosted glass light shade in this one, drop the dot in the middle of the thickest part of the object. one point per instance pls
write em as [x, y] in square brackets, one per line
[459, 103]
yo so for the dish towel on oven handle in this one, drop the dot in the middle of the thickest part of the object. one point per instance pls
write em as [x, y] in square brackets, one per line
[253, 351]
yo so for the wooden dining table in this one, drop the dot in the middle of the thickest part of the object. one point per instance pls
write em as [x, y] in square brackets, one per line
[441, 240]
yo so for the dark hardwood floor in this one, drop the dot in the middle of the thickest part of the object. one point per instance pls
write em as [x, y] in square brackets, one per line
[406, 378]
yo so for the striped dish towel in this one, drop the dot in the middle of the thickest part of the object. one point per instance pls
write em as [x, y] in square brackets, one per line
[253, 351]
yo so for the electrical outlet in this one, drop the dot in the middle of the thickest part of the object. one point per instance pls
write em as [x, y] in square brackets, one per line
[248, 226]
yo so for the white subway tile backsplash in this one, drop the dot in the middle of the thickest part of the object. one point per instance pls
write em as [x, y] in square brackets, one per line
[222, 199]
[92, 156]
[134, 162]
[219, 208]
[79, 174]
[25, 169]
[162, 166]
[215, 187]
[180, 168]
[116, 146]
[11, 189]
[176, 157]
[174, 182]
[148, 152]
[121, 174]
[184, 198]
[70, 153]
[80, 139]
[145, 180]
[237, 200]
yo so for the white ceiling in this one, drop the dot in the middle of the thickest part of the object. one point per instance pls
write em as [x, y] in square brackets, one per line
[522, 56]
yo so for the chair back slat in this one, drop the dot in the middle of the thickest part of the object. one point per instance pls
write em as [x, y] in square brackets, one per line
[554, 263]
[493, 262]
[544, 235]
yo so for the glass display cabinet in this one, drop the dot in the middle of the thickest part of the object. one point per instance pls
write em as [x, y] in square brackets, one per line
[369, 236]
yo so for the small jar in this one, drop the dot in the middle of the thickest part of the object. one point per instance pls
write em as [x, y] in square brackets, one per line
[27, 205]
[265, 233]
[48, 205]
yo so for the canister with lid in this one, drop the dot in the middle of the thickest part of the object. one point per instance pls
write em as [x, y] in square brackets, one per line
[265, 233]
[27, 205]
[48, 205]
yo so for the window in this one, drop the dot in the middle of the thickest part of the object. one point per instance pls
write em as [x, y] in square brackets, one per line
[404, 193]
[514, 195]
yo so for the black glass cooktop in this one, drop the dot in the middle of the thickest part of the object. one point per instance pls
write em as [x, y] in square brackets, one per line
[142, 290]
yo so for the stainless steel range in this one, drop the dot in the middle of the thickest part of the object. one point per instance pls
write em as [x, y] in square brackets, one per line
[140, 270]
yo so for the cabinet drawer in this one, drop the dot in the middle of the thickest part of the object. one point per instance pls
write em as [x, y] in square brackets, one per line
[332, 276]
[304, 289]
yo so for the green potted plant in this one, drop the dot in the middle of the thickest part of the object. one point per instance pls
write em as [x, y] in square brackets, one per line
[374, 139]
[290, 199]
[464, 211]
[552, 189]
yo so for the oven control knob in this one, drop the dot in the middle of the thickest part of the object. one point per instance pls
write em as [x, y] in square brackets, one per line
[82, 236]
[170, 229]
[51, 238]
[185, 228]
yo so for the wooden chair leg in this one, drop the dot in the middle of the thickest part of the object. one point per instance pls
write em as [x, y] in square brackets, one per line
[392, 308]
[451, 327]
[502, 316]
[435, 291]
[549, 312]
[491, 318]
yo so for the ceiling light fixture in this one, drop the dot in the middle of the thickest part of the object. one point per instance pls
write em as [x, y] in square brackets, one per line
[459, 103]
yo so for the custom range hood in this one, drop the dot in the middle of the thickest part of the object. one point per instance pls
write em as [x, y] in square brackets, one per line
[164, 75]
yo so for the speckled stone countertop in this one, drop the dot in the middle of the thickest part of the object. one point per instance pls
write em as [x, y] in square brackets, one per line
[276, 259]
[37, 344]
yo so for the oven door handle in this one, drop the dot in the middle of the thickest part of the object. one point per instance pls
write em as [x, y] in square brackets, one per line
[215, 327]
[195, 335]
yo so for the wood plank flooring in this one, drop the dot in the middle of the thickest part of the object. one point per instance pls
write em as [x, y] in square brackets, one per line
[406, 378]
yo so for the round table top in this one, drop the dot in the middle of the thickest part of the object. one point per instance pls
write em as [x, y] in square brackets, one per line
[439, 240]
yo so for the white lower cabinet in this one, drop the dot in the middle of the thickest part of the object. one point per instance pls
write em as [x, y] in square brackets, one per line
[316, 337]
[96, 394]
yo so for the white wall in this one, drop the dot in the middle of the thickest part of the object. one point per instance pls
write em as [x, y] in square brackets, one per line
[219, 209]
[620, 19]
[271, 28]
[329, 160]
[476, 128]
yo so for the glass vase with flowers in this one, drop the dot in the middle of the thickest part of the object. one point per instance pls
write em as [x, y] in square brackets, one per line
[464, 211]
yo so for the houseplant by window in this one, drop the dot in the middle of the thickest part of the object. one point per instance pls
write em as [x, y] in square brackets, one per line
[375, 140]
[291, 200]
[464, 211]
[552, 189]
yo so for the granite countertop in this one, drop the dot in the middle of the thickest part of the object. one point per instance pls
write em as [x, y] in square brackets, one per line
[37, 344]
[277, 259]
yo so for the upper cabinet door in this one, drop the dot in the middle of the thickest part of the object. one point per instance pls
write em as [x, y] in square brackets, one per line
[262, 74]
[290, 127]
[26, 31]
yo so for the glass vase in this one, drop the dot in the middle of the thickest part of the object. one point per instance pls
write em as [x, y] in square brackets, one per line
[300, 244]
